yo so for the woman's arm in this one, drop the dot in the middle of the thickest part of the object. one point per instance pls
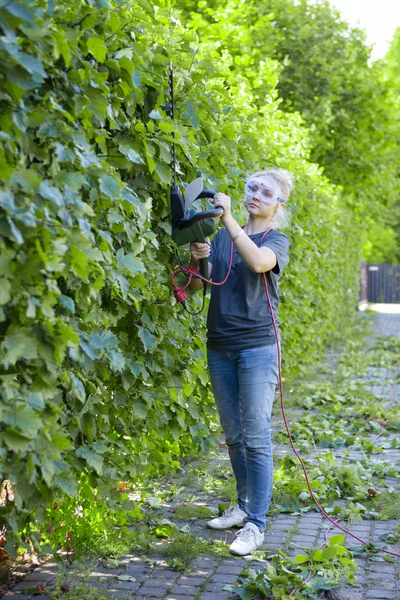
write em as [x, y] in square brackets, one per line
[257, 259]
[198, 251]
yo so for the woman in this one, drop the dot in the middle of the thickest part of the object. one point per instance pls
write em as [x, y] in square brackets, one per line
[241, 345]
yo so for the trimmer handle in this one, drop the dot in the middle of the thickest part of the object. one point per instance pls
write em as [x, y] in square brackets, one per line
[204, 268]
[206, 194]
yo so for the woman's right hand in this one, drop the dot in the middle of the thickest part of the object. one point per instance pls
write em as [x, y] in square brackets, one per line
[200, 250]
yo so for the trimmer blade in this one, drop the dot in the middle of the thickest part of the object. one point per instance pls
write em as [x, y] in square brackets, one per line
[192, 192]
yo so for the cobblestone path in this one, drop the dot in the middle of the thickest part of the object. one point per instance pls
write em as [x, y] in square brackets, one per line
[150, 578]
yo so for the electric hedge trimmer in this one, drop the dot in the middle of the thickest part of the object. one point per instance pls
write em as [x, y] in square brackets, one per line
[189, 224]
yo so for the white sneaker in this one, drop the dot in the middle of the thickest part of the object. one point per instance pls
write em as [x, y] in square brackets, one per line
[232, 516]
[248, 539]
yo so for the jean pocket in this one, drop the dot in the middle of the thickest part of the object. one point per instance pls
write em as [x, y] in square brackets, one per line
[262, 362]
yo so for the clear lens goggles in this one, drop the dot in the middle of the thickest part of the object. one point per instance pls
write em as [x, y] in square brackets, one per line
[265, 194]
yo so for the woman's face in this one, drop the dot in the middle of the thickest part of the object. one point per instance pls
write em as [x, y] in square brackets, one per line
[262, 196]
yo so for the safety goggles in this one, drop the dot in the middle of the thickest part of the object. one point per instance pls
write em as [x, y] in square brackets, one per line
[262, 191]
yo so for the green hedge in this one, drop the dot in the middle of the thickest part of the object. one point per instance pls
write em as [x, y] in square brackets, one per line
[101, 371]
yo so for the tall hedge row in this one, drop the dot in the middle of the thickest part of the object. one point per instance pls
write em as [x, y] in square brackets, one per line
[100, 370]
[349, 103]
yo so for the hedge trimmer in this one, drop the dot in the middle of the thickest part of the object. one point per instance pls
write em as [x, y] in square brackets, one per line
[189, 224]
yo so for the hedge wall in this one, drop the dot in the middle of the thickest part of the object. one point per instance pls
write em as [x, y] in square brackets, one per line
[100, 370]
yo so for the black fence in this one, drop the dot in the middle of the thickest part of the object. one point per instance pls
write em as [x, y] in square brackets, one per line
[380, 283]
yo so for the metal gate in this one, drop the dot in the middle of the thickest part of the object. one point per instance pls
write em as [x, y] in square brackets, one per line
[382, 283]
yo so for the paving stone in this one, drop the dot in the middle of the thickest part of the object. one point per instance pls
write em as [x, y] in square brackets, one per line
[185, 590]
[302, 539]
[215, 587]
[133, 568]
[11, 595]
[24, 585]
[352, 595]
[387, 584]
[234, 561]
[379, 568]
[178, 597]
[200, 572]
[166, 574]
[275, 539]
[159, 583]
[230, 569]
[121, 593]
[131, 586]
[224, 578]
[213, 596]
[38, 575]
[384, 575]
[381, 594]
[185, 580]
[204, 562]
[136, 597]
[158, 592]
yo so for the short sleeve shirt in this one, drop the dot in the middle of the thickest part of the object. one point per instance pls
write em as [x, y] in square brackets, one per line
[238, 314]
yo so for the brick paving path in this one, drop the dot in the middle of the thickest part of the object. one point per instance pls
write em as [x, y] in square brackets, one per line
[150, 579]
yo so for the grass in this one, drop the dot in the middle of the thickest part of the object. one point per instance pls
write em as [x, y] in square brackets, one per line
[192, 511]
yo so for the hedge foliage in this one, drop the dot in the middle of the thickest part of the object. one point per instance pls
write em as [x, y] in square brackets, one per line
[349, 103]
[101, 371]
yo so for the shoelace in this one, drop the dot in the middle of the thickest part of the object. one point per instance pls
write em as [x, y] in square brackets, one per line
[246, 534]
[229, 511]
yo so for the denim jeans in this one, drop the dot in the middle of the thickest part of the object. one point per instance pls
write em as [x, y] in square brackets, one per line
[244, 384]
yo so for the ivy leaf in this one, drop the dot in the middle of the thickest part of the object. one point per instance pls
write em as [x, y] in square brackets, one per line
[31, 64]
[67, 303]
[136, 79]
[23, 417]
[60, 440]
[67, 484]
[317, 555]
[244, 594]
[35, 400]
[336, 539]
[51, 193]
[91, 457]
[7, 201]
[97, 48]
[149, 340]
[78, 388]
[131, 154]
[27, 179]
[154, 114]
[164, 173]
[139, 408]
[15, 440]
[328, 552]
[109, 186]
[117, 361]
[19, 11]
[79, 261]
[126, 64]
[15, 231]
[19, 343]
[5, 291]
[301, 558]
[131, 262]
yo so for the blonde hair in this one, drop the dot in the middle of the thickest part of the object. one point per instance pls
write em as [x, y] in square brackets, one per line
[284, 179]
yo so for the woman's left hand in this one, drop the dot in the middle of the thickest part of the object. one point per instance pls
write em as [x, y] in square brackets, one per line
[224, 202]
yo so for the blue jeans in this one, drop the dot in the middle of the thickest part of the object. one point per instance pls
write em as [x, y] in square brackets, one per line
[244, 384]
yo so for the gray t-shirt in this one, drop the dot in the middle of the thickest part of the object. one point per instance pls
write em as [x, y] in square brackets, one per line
[238, 315]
